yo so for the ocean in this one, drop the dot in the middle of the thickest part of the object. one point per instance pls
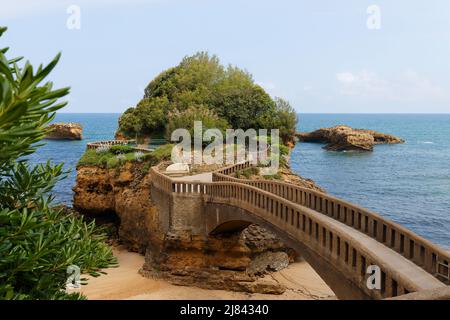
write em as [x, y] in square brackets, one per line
[407, 183]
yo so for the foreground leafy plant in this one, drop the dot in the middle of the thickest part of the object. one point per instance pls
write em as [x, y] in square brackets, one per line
[37, 242]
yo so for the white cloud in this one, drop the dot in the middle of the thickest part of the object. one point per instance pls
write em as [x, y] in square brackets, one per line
[407, 86]
[345, 77]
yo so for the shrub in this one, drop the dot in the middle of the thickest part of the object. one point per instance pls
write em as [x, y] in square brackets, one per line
[185, 120]
[284, 150]
[247, 173]
[281, 116]
[121, 149]
[138, 155]
[94, 158]
[119, 160]
[163, 152]
[37, 242]
[145, 168]
[109, 160]
[276, 176]
[103, 148]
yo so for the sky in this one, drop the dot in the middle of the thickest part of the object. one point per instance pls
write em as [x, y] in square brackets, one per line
[328, 56]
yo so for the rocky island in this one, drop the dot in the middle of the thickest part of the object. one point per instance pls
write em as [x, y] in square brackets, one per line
[64, 131]
[345, 138]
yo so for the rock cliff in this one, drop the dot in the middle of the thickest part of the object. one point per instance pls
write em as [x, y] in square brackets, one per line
[231, 262]
[65, 131]
[345, 138]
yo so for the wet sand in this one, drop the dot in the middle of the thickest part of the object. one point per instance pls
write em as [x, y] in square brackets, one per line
[124, 282]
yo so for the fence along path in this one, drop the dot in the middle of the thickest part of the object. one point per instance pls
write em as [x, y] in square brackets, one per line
[309, 217]
[422, 252]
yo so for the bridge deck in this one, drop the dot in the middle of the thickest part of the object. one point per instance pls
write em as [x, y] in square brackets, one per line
[201, 177]
[338, 233]
[418, 276]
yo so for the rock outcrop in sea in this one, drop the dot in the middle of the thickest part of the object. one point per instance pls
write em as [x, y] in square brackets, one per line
[345, 138]
[65, 131]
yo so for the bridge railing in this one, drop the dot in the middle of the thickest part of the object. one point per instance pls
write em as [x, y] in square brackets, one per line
[97, 144]
[233, 168]
[161, 181]
[318, 234]
[422, 252]
[301, 223]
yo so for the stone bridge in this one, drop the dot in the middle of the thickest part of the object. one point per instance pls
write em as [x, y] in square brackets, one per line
[338, 239]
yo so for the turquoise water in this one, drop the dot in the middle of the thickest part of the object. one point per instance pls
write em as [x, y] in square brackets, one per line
[407, 183]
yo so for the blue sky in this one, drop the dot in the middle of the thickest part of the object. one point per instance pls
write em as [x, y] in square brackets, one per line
[319, 55]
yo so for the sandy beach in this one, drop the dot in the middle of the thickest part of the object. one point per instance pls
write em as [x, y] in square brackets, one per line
[124, 282]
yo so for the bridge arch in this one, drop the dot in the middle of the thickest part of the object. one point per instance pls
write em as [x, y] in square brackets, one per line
[339, 252]
[223, 218]
[229, 226]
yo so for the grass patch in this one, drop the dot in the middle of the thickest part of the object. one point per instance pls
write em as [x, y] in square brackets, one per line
[116, 157]
[121, 149]
[93, 158]
[276, 176]
[246, 173]
[163, 152]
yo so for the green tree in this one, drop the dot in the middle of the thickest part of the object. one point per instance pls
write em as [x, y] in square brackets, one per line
[37, 242]
[189, 83]
[185, 119]
[239, 100]
[200, 80]
[149, 116]
[283, 117]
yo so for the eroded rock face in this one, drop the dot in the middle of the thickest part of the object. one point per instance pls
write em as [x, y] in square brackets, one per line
[125, 193]
[272, 261]
[65, 131]
[221, 262]
[287, 175]
[345, 138]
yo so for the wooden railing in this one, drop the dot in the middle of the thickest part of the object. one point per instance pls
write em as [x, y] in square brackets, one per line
[422, 252]
[301, 223]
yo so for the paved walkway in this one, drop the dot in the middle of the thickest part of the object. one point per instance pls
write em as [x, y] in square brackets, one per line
[202, 177]
[386, 256]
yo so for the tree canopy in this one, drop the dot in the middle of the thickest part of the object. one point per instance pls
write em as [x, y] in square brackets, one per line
[201, 82]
